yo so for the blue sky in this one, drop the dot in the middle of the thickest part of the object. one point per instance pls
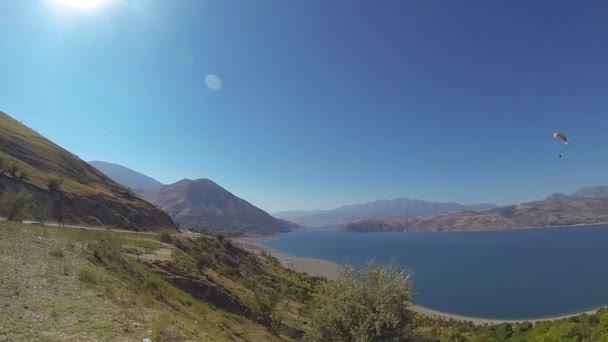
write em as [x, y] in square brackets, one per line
[316, 104]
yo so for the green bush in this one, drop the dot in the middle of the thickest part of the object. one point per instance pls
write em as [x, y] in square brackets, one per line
[153, 281]
[165, 237]
[86, 275]
[363, 304]
[15, 205]
[54, 184]
[57, 253]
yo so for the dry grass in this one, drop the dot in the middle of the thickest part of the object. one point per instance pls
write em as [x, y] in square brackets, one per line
[98, 292]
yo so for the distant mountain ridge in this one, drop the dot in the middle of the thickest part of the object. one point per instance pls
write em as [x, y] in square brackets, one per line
[203, 204]
[403, 207]
[127, 177]
[588, 205]
[596, 191]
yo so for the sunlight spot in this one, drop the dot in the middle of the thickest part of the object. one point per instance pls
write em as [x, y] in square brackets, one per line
[213, 82]
[81, 4]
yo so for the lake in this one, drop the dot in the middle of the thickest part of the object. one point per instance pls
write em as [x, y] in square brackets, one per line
[502, 275]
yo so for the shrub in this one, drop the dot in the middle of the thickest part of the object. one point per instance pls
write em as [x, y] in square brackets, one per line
[153, 281]
[86, 275]
[13, 169]
[15, 205]
[266, 306]
[165, 237]
[40, 213]
[57, 253]
[54, 184]
[363, 304]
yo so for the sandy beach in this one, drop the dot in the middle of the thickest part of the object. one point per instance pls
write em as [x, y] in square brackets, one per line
[329, 270]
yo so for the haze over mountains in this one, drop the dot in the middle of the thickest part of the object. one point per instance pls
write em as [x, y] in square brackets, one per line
[123, 175]
[402, 207]
[199, 203]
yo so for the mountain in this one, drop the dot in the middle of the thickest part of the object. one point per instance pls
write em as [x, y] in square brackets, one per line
[556, 212]
[401, 207]
[592, 192]
[556, 196]
[127, 177]
[202, 204]
[86, 195]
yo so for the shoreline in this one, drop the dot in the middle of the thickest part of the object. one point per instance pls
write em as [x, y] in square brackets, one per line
[329, 270]
[486, 230]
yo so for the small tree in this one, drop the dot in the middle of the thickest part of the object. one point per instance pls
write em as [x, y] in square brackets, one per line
[266, 306]
[3, 165]
[13, 169]
[23, 176]
[364, 304]
[15, 205]
[40, 213]
[54, 184]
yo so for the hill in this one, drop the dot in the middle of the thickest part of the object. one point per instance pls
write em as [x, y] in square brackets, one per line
[127, 177]
[401, 207]
[86, 195]
[548, 213]
[592, 192]
[202, 204]
[111, 286]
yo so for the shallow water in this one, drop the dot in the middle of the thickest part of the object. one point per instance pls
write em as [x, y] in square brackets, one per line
[504, 275]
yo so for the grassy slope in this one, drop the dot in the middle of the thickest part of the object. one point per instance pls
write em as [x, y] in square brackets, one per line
[59, 285]
[41, 159]
[63, 285]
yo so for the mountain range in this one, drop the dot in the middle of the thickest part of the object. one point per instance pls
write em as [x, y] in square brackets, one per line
[401, 207]
[588, 205]
[138, 182]
[85, 195]
[199, 203]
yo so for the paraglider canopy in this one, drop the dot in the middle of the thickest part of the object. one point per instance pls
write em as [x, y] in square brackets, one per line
[562, 136]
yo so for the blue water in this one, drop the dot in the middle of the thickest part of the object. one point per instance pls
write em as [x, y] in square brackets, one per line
[503, 275]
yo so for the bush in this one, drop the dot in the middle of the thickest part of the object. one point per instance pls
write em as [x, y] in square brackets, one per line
[203, 261]
[165, 237]
[3, 165]
[153, 281]
[86, 275]
[54, 184]
[13, 169]
[363, 304]
[40, 213]
[15, 205]
[266, 306]
[57, 253]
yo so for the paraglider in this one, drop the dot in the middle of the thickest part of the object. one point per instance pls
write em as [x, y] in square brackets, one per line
[563, 137]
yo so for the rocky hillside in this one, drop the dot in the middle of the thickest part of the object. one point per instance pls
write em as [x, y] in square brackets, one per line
[202, 204]
[548, 213]
[86, 195]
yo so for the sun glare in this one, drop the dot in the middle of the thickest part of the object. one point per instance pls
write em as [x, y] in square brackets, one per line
[80, 4]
